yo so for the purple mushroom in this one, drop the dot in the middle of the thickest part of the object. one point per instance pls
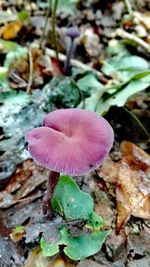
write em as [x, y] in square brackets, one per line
[71, 141]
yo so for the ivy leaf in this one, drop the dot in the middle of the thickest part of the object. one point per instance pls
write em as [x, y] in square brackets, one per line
[70, 201]
[49, 250]
[78, 248]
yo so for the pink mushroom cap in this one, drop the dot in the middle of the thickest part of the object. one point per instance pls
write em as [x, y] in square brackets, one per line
[71, 141]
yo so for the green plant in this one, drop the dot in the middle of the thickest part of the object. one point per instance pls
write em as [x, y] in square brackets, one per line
[74, 205]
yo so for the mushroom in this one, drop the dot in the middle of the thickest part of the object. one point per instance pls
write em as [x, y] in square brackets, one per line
[71, 141]
[72, 33]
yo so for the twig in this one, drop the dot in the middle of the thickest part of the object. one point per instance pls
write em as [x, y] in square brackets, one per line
[130, 36]
[74, 62]
[29, 86]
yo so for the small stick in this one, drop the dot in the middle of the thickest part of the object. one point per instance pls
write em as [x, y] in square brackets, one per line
[74, 62]
[130, 36]
[29, 86]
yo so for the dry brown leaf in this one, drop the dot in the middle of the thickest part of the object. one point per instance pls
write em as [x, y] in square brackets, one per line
[103, 205]
[36, 259]
[89, 263]
[10, 30]
[91, 42]
[144, 18]
[133, 187]
[42, 66]
[109, 171]
[24, 181]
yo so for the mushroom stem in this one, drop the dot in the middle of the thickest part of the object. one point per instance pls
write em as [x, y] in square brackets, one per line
[51, 183]
[69, 55]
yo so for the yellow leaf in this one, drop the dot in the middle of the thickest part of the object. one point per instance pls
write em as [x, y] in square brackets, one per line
[10, 30]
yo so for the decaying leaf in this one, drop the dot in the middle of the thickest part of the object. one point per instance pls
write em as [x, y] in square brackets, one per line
[91, 42]
[109, 171]
[41, 67]
[89, 263]
[131, 177]
[10, 30]
[144, 18]
[36, 259]
[23, 182]
[103, 205]
[133, 186]
[138, 249]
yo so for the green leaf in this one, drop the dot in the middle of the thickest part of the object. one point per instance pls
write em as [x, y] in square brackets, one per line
[119, 98]
[116, 48]
[78, 248]
[8, 46]
[125, 68]
[131, 63]
[13, 55]
[120, 64]
[70, 201]
[67, 6]
[19, 229]
[23, 16]
[90, 84]
[49, 250]
[4, 79]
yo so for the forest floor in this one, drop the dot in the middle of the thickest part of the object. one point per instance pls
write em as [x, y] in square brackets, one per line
[109, 73]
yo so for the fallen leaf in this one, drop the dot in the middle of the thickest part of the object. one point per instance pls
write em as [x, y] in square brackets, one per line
[144, 18]
[91, 42]
[10, 30]
[103, 204]
[109, 171]
[90, 263]
[37, 259]
[23, 182]
[133, 186]
[138, 249]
